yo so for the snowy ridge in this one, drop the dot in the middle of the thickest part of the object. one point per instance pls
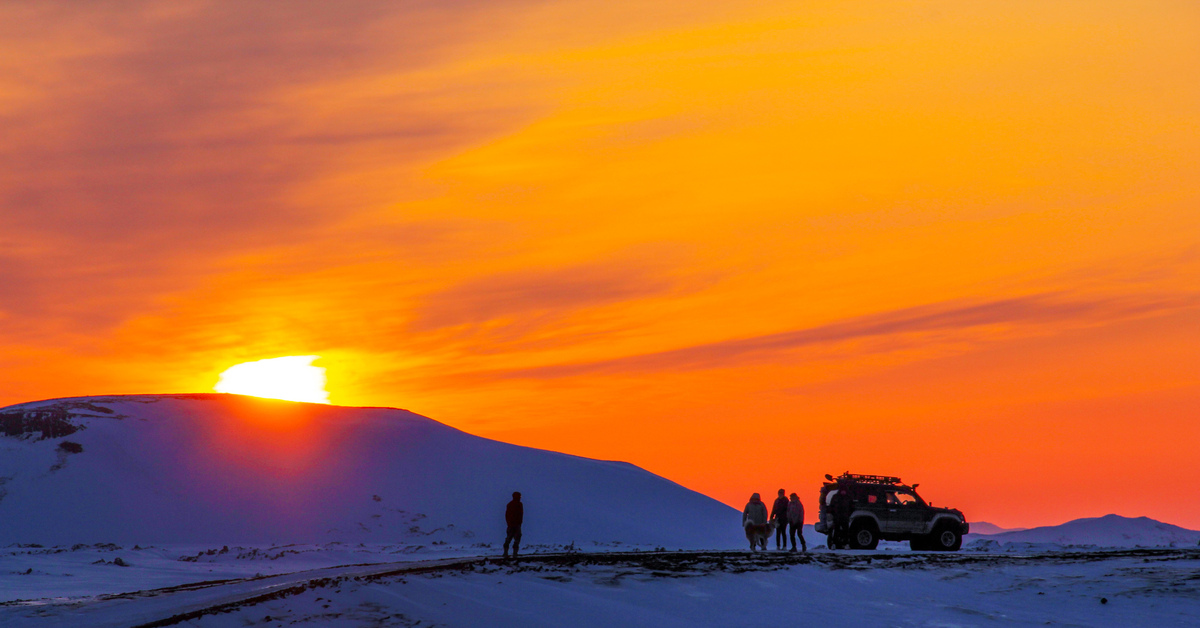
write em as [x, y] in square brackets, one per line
[983, 527]
[224, 469]
[1106, 531]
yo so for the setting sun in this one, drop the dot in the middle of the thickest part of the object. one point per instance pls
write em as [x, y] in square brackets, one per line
[292, 378]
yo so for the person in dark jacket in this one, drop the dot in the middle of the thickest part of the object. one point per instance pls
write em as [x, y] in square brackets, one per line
[514, 516]
[842, 507]
[779, 516]
[795, 519]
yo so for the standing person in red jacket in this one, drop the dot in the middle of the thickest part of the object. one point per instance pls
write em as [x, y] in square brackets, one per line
[779, 516]
[514, 516]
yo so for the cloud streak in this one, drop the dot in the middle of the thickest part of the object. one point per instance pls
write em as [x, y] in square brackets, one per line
[145, 145]
[540, 293]
[1052, 309]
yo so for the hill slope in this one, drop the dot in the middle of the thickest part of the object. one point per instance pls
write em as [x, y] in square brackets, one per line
[1106, 531]
[983, 527]
[230, 469]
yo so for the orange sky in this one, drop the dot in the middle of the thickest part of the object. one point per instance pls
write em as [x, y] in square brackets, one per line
[741, 245]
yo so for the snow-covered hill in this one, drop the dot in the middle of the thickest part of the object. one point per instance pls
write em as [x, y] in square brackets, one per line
[1106, 531]
[226, 469]
[983, 527]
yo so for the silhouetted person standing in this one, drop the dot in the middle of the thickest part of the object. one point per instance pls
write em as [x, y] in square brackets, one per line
[514, 516]
[842, 507]
[795, 519]
[779, 516]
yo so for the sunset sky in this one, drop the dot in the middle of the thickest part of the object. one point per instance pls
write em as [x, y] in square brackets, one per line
[740, 244]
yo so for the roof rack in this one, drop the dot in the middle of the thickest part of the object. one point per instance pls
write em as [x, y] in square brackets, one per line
[869, 479]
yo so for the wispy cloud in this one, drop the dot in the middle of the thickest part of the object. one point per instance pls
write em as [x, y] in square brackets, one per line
[1054, 309]
[537, 293]
[145, 145]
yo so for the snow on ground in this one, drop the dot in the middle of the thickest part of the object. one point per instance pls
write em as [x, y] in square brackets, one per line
[83, 571]
[882, 588]
[877, 595]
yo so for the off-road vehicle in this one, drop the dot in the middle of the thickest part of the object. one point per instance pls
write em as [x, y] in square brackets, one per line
[882, 507]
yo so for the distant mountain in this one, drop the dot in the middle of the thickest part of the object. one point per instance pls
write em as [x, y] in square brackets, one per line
[1106, 531]
[231, 469]
[983, 527]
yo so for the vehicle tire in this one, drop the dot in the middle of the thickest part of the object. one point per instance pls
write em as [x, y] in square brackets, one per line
[946, 538]
[864, 535]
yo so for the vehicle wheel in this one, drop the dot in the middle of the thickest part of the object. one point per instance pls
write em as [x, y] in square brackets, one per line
[863, 535]
[946, 538]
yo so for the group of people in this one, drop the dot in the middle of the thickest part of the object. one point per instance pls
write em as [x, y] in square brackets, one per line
[787, 513]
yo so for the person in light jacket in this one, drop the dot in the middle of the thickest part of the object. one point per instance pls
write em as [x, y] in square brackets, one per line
[755, 512]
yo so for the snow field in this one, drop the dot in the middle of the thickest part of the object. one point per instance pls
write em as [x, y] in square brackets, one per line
[1141, 587]
[1160, 592]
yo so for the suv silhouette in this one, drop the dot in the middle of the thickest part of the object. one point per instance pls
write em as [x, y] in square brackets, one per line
[857, 511]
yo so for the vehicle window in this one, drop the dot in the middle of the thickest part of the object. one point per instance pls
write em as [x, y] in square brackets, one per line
[902, 499]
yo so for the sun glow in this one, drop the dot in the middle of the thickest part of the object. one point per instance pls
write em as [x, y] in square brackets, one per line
[292, 378]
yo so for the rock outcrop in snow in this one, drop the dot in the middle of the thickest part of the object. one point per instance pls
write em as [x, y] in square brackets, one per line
[224, 468]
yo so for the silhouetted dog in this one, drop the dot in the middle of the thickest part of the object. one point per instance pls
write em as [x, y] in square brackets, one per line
[758, 534]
